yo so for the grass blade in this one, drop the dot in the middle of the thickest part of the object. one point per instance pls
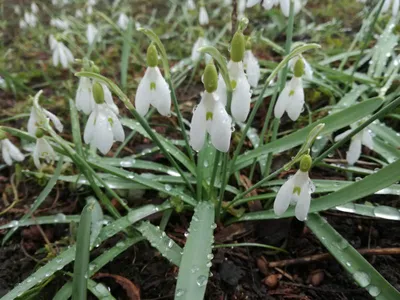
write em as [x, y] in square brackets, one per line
[352, 261]
[126, 50]
[196, 259]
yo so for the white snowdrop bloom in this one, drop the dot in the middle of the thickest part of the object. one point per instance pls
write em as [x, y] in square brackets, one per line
[268, 4]
[284, 5]
[297, 191]
[291, 99]
[10, 152]
[92, 2]
[60, 24]
[92, 33]
[78, 14]
[395, 6]
[364, 137]
[84, 96]
[227, 2]
[29, 20]
[241, 7]
[35, 120]
[103, 126]
[308, 71]
[190, 5]
[17, 9]
[201, 42]
[123, 21]
[43, 150]
[252, 68]
[34, 8]
[153, 89]
[89, 10]
[241, 96]
[52, 42]
[203, 16]
[61, 54]
[210, 116]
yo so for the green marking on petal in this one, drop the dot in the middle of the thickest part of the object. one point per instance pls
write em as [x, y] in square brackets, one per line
[296, 190]
[233, 83]
[209, 116]
[291, 93]
[152, 86]
[111, 121]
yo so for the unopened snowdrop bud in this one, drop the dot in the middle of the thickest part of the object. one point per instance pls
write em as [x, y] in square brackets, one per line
[299, 68]
[153, 89]
[8, 150]
[297, 191]
[210, 78]
[39, 133]
[237, 47]
[98, 93]
[210, 116]
[203, 16]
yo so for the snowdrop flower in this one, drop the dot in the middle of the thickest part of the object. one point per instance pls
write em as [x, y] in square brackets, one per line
[91, 33]
[284, 5]
[123, 21]
[61, 54]
[78, 14]
[84, 96]
[241, 96]
[241, 7]
[153, 89]
[227, 2]
[364, 137]
[17, 9]
[291, 99]
[36, 120]
[296, 191]
[89, 10]
[308, 71]
[251, 66]
[29, 20]
[203, 16]
[34, 8]
[103, 125]
[201, 42]
[9, 151]
[190, 5]
[395, 6]
[210, 116]
[60, 24]
[42, 150]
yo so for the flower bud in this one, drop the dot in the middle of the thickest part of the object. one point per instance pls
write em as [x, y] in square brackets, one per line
[152, 56]
[305, 163]
[210, 78]
[3, 135]
[299, 68]
[98, 93]
[39, 133]
[237, 47]
[95, 69]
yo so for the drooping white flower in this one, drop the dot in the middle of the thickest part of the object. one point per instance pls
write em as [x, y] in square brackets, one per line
[43, 150]
[297, 191]
[60, 24]
[92, 34]
[190, 5]
[210, 116]
[89, 10]
[84, 96]
[29, 20]
[364, 137]
[10, 152]
[284, 5]
[34, 8]
[252, 68]
[123, 21]
[103, 126]
[291, 99]
[241, 96]
[201, 42]
[395, 6]
[203, 16]
[78, 14]
[241, 7]
[17, 9]
[308, 71]
[154, 90]
[35, 120]
[61, 54]
[268, 4]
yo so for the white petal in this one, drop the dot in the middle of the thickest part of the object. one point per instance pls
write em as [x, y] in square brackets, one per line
[386, 6]
[191, 5]
[221, 128]
[303, 204]
[117, 129]
[109, 99]
[56, 121]
[13, 150]
[203, 16]
[103, 137]
[354, 150]
[308, 72]
[162, 96]
[251, 3]
[35, 156]
[84, 97]
[252, 68]
[195, 56]
[367, 139]
[63, 56]
[241, 99]
[33, 122]
[6, 154]
[90, 127]
[283, 198]
[221, 90]
[56, 55]
[395, 7]
[285, 7]
[268, 4]
[43, 149]
[296, 100]
[282, 102]
[342, 135]
[143, 94]
[198, 127]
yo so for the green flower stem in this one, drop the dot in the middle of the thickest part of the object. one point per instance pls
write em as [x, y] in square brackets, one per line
[180, 119]
[214, 173]
[224, 181]
[382, 112]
